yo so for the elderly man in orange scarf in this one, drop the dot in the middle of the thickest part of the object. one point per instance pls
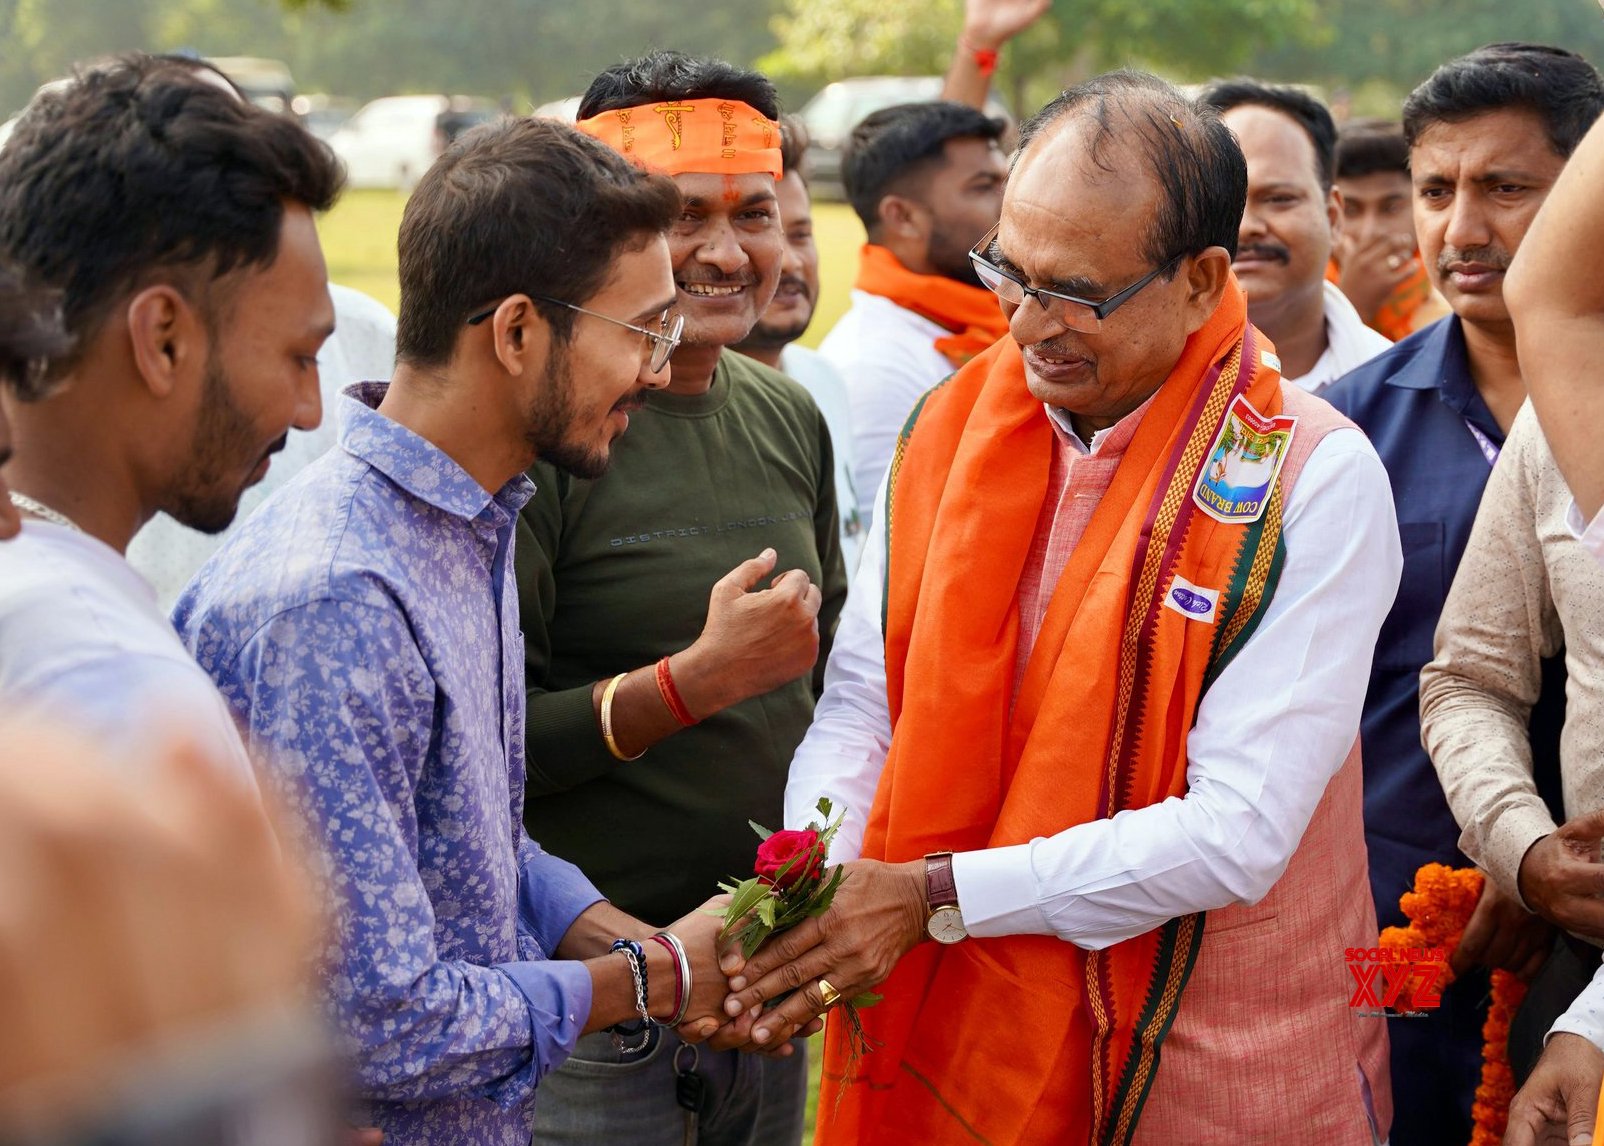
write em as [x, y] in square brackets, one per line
[1094, 701]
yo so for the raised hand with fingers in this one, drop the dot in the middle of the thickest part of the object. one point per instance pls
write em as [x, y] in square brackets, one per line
[755, 639]
[992, 23]
[1373, 266]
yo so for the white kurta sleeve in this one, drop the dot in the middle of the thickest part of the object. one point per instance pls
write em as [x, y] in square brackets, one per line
[1585, 1015]
[845, 748]
[1272, 731]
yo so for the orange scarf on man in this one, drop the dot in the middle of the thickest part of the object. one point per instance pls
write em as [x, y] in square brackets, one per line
[970, 313]
[1028, 1039]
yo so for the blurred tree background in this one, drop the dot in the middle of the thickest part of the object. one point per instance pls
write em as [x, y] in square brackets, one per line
[1369, 51]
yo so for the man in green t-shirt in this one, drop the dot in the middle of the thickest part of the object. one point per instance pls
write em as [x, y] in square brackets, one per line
[670, 678]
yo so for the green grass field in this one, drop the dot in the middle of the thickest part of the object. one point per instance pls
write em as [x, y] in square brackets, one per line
[359, 243]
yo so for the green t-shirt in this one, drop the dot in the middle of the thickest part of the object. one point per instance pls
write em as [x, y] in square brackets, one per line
[614, 574]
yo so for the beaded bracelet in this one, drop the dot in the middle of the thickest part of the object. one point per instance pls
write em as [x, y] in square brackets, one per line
[635, 956]
[607, 720]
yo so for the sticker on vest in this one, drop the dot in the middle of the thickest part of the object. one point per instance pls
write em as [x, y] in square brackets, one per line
[1193, 602]
[1243, 463]
[1270, 360]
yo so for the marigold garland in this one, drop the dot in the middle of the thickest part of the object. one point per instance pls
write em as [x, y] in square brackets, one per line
[1439, 909]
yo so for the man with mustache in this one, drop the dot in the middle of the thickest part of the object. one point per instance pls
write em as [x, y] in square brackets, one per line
[176, 222]
[667, 690]
[1096, 739]
[926, 179]
[773, 340]
[1488, 134]
[1292, 218]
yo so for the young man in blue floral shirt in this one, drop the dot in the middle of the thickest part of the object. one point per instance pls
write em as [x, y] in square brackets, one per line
[363, 629]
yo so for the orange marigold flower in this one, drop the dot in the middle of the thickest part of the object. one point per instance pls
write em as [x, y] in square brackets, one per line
[1439, 908]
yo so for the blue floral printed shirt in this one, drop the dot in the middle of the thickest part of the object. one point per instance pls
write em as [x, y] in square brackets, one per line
[361, 628]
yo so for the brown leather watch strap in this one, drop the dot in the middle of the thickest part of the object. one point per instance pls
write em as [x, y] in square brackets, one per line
[940, 888]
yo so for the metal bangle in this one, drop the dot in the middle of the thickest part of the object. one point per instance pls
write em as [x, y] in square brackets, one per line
[607, 721]
[684, 963]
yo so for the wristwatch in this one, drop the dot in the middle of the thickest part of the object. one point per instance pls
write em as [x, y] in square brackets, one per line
[945, 924]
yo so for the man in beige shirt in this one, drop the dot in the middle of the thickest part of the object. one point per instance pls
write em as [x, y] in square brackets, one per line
[1525, 589]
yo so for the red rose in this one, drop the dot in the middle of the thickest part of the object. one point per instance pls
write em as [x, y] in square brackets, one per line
[783, 847]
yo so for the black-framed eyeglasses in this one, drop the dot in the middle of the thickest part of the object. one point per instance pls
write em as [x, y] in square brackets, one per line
[664, 342]
[1082, 314]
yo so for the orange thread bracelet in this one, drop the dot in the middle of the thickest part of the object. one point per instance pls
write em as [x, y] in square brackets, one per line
[985, 58]
[671, 696]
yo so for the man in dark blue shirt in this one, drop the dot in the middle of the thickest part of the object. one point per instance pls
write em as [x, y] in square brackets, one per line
[1488, 134]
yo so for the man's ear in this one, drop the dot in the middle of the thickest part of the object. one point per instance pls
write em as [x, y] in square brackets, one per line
[1334, 213]
[903, 218]
[167, 338]
[1208, 275]
[520, 336]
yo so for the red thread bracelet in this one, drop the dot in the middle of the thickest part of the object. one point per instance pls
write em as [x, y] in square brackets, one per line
[985, 58]
[671, 696]
[679, 978]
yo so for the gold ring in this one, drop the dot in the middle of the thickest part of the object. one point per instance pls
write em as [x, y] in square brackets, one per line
[828, 993]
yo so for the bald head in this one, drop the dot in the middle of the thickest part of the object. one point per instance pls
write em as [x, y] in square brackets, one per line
[1133, 122]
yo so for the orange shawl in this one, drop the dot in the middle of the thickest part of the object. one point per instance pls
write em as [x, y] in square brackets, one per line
[1028, 1039]
[971, 313]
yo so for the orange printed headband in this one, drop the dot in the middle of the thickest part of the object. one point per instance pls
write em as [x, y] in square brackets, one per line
[722, 136]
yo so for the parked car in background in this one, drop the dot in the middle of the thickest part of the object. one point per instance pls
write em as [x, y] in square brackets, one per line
[323, 115]
[831, 115]
[392, 141]
[266, 83]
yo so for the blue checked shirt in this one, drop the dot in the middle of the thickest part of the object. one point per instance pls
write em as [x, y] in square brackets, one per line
[360, 627]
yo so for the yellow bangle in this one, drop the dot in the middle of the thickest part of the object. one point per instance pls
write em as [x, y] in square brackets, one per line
[607, 720]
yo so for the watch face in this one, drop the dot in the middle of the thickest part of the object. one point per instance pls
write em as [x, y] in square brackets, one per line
[946, 925]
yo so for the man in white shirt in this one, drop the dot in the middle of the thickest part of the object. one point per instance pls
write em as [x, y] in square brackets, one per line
[197, 304]
[773, 340]
[361, 349]
[969, 711]
[927, 180]
[1292, 219]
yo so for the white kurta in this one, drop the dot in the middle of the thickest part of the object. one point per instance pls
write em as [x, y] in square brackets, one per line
[1270, 734]
[813, 372]
[887, 355]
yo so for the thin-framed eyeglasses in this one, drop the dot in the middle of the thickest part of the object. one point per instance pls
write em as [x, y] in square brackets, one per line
[664, 342]
[1082, 314]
